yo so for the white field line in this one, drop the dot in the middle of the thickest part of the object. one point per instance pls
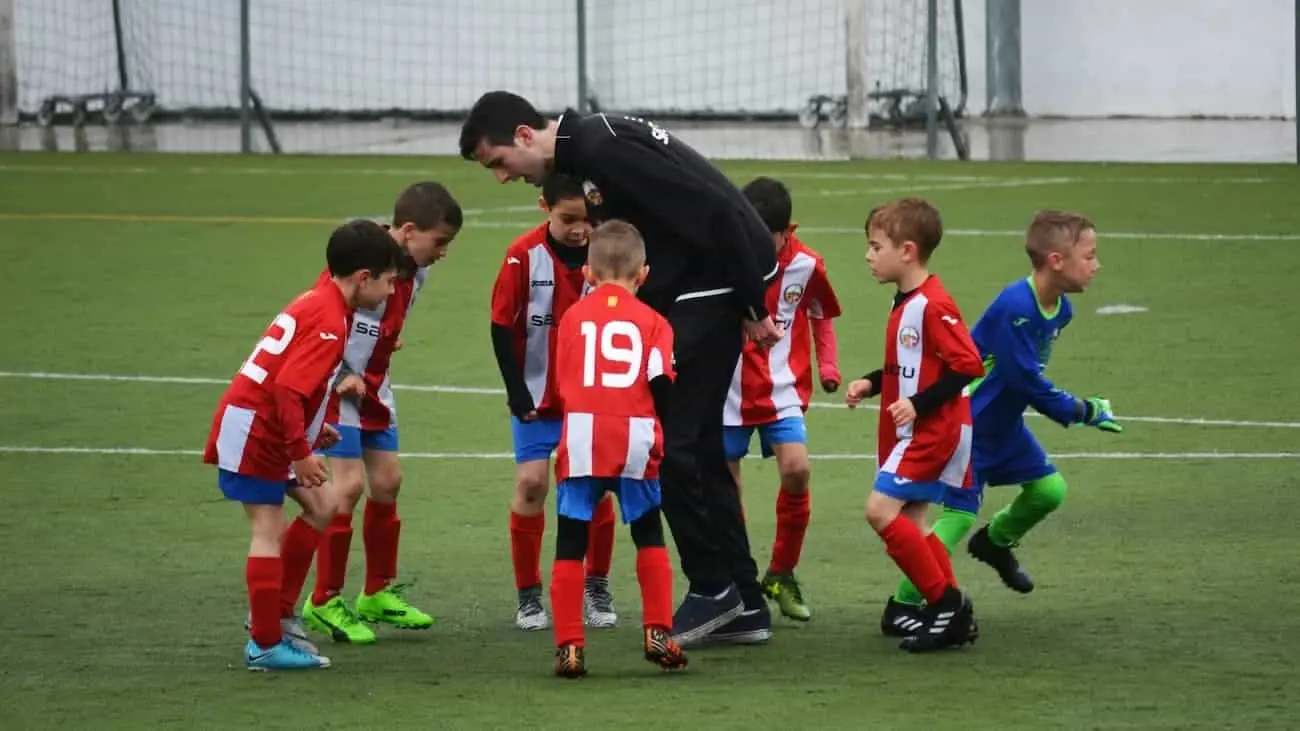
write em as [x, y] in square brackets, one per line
[926, 188]
[201, 380]
[148, 452]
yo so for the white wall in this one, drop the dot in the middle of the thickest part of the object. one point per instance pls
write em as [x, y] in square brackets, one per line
[1161, 58]
[1093, 58]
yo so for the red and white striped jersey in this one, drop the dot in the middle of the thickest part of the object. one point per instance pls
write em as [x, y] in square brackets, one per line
[369, 353]
[611, 345]
[777, 382]
[301, 350]
[925, 337]
[532, 292]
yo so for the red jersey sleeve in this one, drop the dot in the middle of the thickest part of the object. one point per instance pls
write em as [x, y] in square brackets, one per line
[820, 302]
[510, 291]
[313, 353]
[951, 340]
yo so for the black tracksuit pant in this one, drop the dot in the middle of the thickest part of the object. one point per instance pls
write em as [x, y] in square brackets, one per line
[700, 498]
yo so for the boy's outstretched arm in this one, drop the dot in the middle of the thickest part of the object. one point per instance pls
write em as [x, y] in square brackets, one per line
[1016, 355]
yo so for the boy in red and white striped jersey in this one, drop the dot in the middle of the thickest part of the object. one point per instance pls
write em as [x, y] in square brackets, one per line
[924, 435]
[269, 420]
[540, 279]
[426, 218]
[613, 375]
[771, 390]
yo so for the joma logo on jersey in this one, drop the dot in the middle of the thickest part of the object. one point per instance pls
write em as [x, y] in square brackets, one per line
[909, 337]
[894, 369]
[547, 320]
[792, 294]
[590, 190]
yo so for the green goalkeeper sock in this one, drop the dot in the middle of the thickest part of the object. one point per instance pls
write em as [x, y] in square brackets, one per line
[1036, 501]
[951, 527]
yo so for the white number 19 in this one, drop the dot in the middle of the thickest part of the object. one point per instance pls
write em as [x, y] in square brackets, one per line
[629, 355]
[271, 346]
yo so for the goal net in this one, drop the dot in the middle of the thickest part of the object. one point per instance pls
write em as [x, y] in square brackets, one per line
[825, 61]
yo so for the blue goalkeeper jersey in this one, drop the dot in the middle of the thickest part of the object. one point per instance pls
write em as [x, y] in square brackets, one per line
[1015, 338]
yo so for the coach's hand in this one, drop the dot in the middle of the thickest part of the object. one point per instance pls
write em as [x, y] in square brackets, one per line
[860, 389]
[329, 436]
[310, 472]
[764, 333]
[351, 386]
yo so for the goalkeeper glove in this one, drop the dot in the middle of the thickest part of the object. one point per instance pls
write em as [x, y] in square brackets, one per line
[1097, 413]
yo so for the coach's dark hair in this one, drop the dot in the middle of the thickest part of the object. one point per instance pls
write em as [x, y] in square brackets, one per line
[771, 199]
[427, 205]
[494, 118]
[362, 245]
[559, 187]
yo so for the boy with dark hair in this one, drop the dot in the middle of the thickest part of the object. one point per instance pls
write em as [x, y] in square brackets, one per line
[426, 218]
[540, 279]
[771, 390]
[268, 422]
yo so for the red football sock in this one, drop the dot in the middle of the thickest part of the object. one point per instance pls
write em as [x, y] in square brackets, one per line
[263, 575]
[380, 531]
[905, 544]
[566, 602]
[296, 551]
[792, 514]
[526, 548]
[600, 539]
[941, 557]
[332, 559]
[655, 575]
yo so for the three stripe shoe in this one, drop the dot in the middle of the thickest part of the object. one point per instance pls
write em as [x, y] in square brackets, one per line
[599, 603]
[570, 661]
[662, 651]
[948, 623]
[901, 620]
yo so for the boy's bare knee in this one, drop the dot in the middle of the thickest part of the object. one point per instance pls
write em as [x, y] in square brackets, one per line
[531, 487]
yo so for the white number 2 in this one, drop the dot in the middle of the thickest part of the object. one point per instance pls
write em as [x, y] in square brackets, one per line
[629, 355]
[270, 346]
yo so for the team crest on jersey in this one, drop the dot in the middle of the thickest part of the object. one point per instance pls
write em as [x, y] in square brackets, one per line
[793, 294]
[909, 337]
[590, 190]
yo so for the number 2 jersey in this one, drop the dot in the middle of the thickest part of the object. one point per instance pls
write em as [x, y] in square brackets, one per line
[372, 340]
[610, 347]
[926, 341]
[272, 412]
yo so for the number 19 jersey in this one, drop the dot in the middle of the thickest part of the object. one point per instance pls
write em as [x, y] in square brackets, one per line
[609, 347]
